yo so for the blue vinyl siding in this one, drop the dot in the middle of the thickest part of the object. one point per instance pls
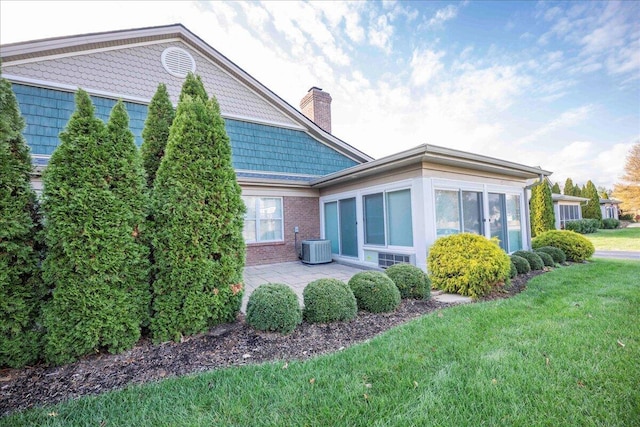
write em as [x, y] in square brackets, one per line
[255, 147]
[259, 147]
[47, 111]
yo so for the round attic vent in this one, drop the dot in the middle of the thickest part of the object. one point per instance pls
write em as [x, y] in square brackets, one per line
[178, 62]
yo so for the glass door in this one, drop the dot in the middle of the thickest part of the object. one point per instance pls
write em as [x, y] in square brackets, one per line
[331, 228]
[497, 216]
[348, 227]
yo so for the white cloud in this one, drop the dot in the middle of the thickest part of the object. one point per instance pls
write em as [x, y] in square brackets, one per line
[584, 160]
[380, 32]
[424, 66]
[567, 119]
[443, 15]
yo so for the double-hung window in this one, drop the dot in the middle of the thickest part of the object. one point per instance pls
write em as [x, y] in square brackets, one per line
[387, 218]
[263, 221]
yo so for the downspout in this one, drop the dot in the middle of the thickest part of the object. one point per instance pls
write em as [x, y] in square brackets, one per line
[526, 209]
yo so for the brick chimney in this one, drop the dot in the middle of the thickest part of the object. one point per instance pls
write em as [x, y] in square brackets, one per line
[316, 105]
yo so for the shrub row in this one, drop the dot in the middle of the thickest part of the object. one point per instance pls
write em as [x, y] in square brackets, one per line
[274, 306]
[464, 263]
[576, 247]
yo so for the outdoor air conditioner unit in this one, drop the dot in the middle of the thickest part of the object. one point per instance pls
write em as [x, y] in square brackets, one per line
[316, 251]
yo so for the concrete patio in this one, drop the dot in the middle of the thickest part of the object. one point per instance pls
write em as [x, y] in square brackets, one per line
[298, 275]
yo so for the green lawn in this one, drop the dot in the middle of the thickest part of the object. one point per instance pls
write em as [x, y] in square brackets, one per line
[564, 352]
[622, 239]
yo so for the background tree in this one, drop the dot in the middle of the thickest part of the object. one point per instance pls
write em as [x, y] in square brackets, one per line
[541, 209]
[556, 189]
[604, 192]
[568, 187]
[592, 208]
[21, 287]
[198, 218]
[91, 238]
[156, 132]
[628, 191]
[577, 191]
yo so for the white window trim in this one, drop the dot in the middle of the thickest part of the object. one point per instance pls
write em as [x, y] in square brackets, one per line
[257, 219]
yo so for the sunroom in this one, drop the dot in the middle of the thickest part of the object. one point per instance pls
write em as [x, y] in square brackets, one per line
[391, 210]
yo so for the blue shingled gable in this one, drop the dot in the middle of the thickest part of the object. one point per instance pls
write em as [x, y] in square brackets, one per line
[255, 147]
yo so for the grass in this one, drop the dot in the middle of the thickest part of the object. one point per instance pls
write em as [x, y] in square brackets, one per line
[564, 352]
[622, 239]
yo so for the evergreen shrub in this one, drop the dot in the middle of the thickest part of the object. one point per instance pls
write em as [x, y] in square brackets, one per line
[533, 258]
[94, 203]
[21, 288]
[155, 134]
[546, 259]
[273, 307]
[467, 264]
[583, 226]
[198, 215]
[541, 209]
[576, 247]
[513, 272]
[610, 223]
[328, 300]
[557, 254]
[521, 264]
[411, 281]
[375, 292]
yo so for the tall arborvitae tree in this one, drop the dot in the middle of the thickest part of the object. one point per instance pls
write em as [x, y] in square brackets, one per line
[568, 187]
[541, 209]
[628, 191]
[21, 287]
[592, 208]
[156, 132]
[126, 178]
[198, 218]
[90, 232]
[555, 189]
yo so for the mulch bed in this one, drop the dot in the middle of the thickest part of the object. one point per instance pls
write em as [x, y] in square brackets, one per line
[223, 346]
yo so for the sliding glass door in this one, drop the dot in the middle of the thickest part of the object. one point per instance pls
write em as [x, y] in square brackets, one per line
[340, 226]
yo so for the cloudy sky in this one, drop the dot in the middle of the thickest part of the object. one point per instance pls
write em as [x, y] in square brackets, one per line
[551, 84]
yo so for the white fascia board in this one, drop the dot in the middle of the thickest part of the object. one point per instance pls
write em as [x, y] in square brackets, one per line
[435, 154]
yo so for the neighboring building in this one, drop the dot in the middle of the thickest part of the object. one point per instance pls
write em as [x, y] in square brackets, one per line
[610, 208]
[567, 208]
[298, 180]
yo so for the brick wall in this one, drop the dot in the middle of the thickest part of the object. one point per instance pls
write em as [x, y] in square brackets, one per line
[301, 212]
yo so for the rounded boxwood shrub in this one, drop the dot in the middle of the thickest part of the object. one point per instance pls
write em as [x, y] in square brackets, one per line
[411, 281]
[546, 259]
[328, 300]
[513, 272]
[467, 264]
[522, 265]
[557, 254]
[274, 307]
[534, 259]
[576, 247]
[375, 292]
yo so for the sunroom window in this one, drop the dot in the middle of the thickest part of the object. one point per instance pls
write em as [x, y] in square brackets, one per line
[387, 218]
[458, 211]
